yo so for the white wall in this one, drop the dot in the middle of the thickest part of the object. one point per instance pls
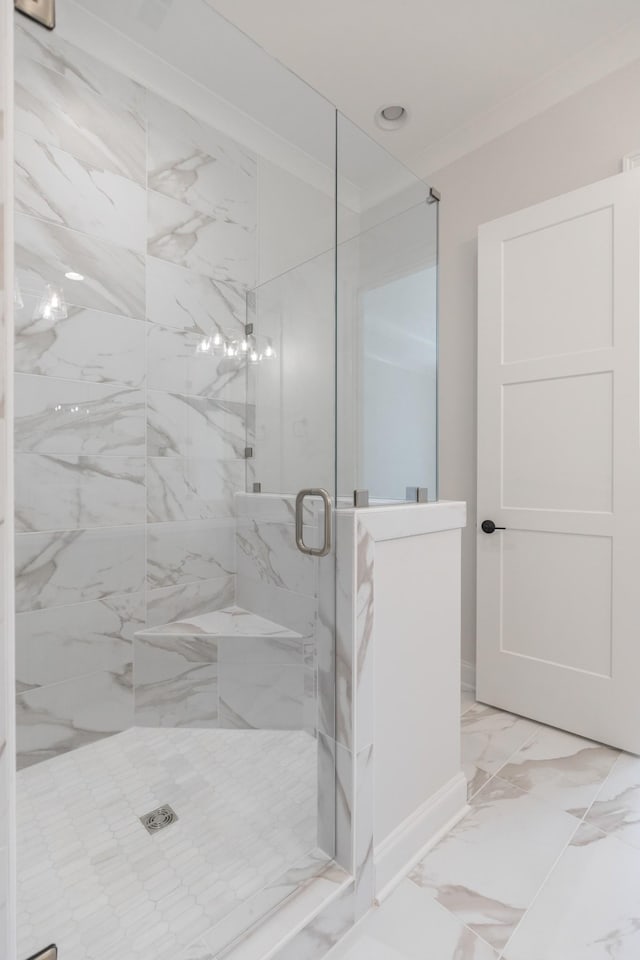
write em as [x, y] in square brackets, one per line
[580, 140]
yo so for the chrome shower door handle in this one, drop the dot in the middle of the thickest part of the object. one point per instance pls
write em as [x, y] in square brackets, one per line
[326, 500]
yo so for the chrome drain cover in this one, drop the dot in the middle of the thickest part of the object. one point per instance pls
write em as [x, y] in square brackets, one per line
[159, 819]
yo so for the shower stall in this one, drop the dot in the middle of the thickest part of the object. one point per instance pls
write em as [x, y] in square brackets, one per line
[225, 325]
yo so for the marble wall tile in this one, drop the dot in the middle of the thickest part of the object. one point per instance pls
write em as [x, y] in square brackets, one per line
[62, 110]
[77, 566]
[274, 507]
[327, 796]
[200, 166]
[72, 417]
[87, 345]
[362, 824]
[216, 247]
[176, 682]
[53, 185]
[191, 489]
[255, 650]
[63, 716]
[71, 493]
[184, 300]
[345, 784]
[177, 364]
[180, 426]
[292, 610]
[325, 646]
[61, 643]
[167, 604]
[187, 551]
[267, 552]
[345, 627]
[364, 709]
[113, 276]
[49, 49]
[261, 696]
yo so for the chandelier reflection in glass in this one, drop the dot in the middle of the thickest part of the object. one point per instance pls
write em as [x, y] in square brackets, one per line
[245, 348]
[52, 305]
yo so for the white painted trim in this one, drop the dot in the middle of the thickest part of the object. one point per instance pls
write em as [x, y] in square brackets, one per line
[631, 160]
[596, 62]
[411, 840]
[468, 676]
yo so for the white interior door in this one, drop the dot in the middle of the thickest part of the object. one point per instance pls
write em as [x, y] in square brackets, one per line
[559, 462]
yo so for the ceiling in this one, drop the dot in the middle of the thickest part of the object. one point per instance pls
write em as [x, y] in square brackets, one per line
[465, 70]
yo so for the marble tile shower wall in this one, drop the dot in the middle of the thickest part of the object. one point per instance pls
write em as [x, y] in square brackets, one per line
[129, 443]
[7, 825]
[278, 582]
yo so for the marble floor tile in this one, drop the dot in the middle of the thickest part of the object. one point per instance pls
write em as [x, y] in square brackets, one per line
[411, 926]
[92, 879]
[489, 738]
[488, 869]
[616, 809]
[467, 700]
[562, 769]
[588, 909]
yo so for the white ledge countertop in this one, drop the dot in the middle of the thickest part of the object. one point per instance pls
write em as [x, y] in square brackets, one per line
[393, 521]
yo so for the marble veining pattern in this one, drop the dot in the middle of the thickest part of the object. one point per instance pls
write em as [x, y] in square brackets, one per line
[72, 493]
[58, 348]
[182, 488]
[55, 186]
[113, 275]
[67, 417]
[520, 878]
[61, 110]
[99, 885]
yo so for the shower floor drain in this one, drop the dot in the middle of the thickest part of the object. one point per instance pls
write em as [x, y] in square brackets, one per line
[159, 819]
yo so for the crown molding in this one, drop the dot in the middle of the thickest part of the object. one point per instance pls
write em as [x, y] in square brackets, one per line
[592, 64]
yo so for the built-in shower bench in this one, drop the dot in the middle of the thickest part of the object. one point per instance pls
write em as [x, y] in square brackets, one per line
[230, 623]
[224, 668]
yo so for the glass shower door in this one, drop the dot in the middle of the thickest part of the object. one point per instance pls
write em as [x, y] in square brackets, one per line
[286, 549]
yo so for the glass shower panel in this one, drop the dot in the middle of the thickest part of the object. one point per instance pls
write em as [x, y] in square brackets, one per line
[175, 354]
[387, 275]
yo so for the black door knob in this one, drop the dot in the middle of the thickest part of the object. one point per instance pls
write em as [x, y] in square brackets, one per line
[489, 526]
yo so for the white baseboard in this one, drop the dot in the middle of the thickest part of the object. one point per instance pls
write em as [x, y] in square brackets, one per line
[409, 842]
[468, 675]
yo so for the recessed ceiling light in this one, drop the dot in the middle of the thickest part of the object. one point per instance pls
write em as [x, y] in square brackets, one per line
[72, 275]
[392, 116]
